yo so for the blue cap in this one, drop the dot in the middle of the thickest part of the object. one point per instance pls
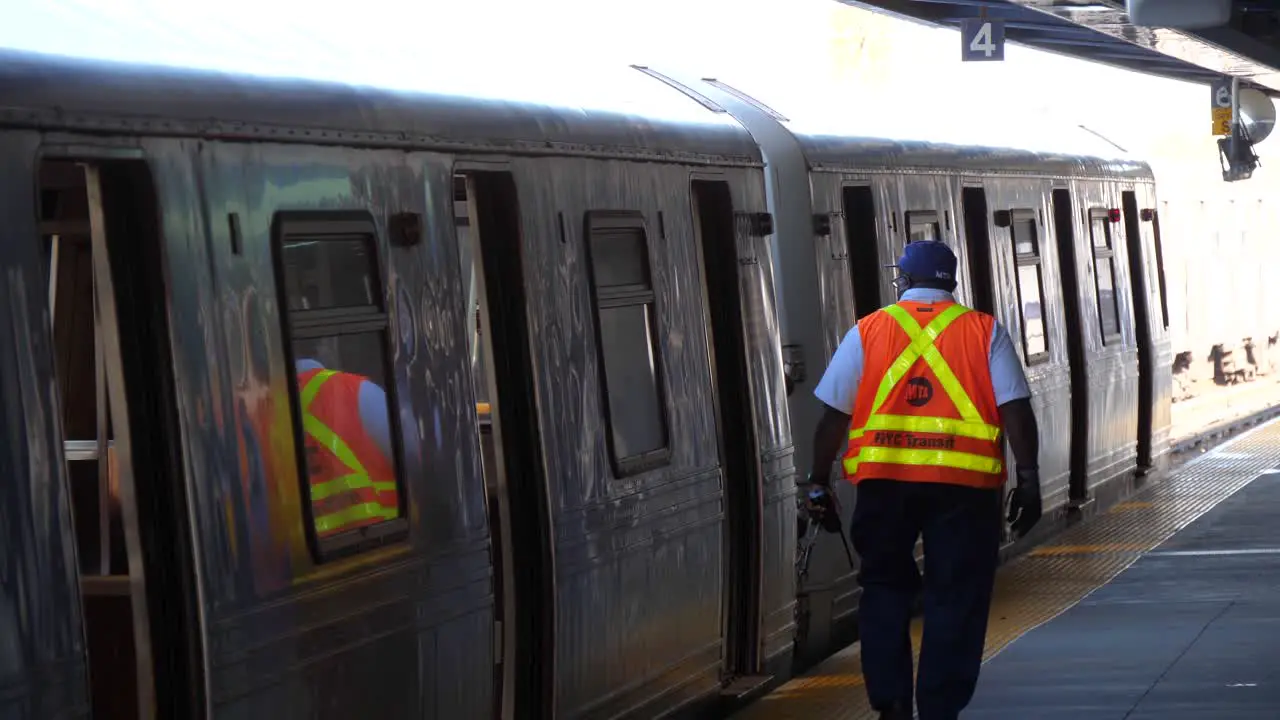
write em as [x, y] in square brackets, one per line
[928, 260]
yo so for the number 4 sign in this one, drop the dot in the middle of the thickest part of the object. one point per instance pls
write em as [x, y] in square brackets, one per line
[981, 40]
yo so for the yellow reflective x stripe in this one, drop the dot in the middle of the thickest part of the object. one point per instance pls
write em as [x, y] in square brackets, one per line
[359, 478]
[313, 387]
[946, 426]
[321, 432]
[922, 347]
[320, 491]
[355, 513]
[918, 341]
[937, 458]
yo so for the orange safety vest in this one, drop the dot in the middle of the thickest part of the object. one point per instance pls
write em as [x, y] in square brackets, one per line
[352, 483]
[926, 410]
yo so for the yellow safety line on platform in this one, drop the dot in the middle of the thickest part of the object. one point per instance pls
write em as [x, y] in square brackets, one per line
[1048, 550]
[1133, 505]
[1046, 582]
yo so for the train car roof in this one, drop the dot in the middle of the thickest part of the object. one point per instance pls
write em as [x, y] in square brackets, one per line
[74, 66]
[918, 132]
[66, 67]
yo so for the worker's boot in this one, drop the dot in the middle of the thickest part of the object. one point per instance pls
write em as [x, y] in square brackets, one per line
[897, 712]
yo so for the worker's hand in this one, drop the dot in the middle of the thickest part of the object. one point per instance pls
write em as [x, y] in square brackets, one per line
[823, 506]
[1024, 502]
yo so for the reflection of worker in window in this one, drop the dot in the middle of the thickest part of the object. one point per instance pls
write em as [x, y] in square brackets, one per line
[348, 444]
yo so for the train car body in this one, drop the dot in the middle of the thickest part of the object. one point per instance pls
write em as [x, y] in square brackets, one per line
[623, 547]
[581, 309]
[1056, 232]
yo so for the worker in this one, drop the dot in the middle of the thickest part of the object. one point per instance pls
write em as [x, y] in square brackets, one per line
[347, 433]
[922, 391]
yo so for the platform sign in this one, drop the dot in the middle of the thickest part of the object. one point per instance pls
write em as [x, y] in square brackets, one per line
[1220, 103]
[981, 40]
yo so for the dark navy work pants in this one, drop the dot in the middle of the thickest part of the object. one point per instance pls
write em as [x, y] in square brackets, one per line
[961, 528]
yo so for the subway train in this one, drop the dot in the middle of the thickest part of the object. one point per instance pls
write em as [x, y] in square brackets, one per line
[587, 316]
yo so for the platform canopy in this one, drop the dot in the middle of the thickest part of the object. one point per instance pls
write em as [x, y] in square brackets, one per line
[1247, 47]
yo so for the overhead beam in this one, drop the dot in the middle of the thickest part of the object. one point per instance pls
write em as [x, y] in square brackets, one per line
[1084, 30]
[1220, 50]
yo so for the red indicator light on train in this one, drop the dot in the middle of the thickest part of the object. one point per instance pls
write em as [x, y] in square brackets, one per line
[1113, 215]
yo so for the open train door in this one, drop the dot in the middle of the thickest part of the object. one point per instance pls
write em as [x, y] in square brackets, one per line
[118, 408]
[1144, 323]
[977, 244]
[721, 232]
[487, 216]
[1065, 235]
[43, 657]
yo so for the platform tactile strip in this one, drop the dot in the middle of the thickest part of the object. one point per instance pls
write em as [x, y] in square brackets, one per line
[1037, 587]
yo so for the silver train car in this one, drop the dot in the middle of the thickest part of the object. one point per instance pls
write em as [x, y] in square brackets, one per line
[1057, 233]
[594, 317]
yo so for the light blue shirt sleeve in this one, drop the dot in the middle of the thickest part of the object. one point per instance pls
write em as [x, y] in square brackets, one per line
[373, 414]
[1007, 376]
[838, 387]
[839, 384]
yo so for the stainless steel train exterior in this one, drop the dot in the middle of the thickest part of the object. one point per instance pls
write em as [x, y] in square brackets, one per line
[629, 509]
[1057, 236]
[596, 514]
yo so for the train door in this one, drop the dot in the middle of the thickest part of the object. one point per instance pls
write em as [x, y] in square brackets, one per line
[1064, 233]
[715, 225]
[487, 215]
[99, 221]
[977, 245]
[1142, 325]
[865, 264]
[977, 235]
[827, 588]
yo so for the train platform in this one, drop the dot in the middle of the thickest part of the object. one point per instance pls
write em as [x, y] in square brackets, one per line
[1214, 407]
[1166, 606]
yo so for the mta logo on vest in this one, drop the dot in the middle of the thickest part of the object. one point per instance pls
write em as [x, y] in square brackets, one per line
[919, 392]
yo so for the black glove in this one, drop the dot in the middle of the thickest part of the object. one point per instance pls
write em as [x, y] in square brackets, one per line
[822, 506]
[1024, 502]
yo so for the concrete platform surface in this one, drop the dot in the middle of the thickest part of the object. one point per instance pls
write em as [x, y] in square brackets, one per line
[1190, 630]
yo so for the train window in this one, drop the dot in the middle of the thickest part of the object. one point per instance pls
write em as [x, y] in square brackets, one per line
[626, 323]
[335, 272]
[1030, 285]
[342, 392]
[1105, 275]
[922, 225]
